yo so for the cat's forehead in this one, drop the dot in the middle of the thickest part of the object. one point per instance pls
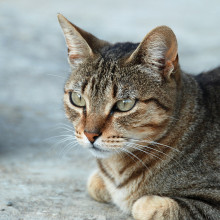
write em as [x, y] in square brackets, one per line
[110, 79]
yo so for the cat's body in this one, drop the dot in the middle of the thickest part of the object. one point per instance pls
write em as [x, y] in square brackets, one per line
[193, 178]
[158, 155]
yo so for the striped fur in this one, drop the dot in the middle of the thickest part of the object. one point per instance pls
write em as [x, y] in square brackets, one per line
[160, 160]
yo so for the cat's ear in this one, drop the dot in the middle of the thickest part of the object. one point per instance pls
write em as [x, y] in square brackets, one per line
[158, 51]
[80, 43]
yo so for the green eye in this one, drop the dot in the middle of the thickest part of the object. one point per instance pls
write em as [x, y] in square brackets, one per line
[77, 99]
[125, 105]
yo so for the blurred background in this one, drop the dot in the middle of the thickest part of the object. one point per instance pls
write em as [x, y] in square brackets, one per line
[41, 176]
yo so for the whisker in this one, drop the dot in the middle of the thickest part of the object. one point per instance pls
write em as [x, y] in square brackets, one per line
[56, 75]
[144, 146]
[71, 147]
[147, 152]
[67, 148]
[119, 153]
[57, 136]
[153, 149]
[128, 155]
[61, 127]
[69, 126]
[154, 143]
[71, 142]
[67, 129]
[58, 144]
[66, 137]
[135, 157]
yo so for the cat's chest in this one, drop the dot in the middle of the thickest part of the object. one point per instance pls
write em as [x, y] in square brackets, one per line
[123, 195]
[120, 196]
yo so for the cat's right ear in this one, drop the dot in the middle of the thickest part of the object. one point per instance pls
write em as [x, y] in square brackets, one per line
[81, 44]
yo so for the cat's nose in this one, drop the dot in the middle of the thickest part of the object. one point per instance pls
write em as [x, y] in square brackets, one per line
[91, 136]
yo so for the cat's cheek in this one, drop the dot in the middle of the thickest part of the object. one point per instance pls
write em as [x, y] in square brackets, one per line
[148, 130]
[150, 133]
[73, 115]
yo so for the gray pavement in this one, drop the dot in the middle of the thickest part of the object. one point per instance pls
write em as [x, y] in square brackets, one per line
[40, 176]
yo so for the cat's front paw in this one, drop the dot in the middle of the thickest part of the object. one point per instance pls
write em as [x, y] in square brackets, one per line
[96, 188]
[155, 208]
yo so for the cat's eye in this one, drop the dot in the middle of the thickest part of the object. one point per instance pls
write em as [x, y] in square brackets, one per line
[125, 105]
[77, 100]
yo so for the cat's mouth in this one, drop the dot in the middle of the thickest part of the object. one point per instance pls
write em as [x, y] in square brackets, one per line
[98, 152]
[94, 148]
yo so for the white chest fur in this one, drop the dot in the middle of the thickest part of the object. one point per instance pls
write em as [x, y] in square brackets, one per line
[120, 196]
[123, 197]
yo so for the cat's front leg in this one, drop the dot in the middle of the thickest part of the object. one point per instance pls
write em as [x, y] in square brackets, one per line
[155, 208]
[97, 189]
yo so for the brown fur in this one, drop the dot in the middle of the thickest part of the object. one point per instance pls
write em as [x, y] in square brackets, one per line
[97, 189]
[160, 159]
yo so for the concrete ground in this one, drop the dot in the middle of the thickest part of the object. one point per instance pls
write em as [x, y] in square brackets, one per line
[40, 176]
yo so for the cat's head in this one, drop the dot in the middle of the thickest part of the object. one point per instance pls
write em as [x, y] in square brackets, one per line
[119, 94]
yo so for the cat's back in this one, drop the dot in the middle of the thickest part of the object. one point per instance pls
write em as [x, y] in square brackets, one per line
[209, 82]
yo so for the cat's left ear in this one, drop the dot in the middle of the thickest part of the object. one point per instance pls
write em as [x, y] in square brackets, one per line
[158, 52]
[81, 44]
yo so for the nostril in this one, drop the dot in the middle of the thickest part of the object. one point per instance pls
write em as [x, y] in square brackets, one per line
[92, 136]
[96, 136]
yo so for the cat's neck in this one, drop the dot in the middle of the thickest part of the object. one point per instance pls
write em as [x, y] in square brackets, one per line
[187, 112]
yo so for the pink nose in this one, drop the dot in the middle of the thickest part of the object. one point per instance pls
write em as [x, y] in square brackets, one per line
[91, 136]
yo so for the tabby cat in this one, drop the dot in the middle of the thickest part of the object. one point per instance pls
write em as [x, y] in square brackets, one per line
[154, 129]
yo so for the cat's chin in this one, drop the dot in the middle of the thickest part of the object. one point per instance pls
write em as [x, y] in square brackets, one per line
[99, 153]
